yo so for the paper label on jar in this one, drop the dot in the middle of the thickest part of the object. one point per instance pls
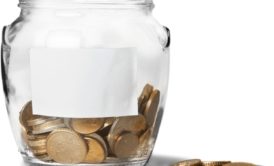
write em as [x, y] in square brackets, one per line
[84, 83]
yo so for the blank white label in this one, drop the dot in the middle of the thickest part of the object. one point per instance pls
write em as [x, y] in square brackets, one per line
[84, 83]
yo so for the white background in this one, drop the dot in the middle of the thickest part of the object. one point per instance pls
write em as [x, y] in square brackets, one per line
[221, 93]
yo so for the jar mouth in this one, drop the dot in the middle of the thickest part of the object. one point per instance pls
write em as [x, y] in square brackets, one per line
[85, 3]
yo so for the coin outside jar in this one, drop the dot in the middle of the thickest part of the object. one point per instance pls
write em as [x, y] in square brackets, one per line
[215, 163]
[193, 162]
[239, 164]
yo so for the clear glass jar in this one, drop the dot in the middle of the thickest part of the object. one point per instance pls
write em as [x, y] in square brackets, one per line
[85, 80]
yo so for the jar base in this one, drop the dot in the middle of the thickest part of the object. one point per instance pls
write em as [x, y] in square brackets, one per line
[32, 161]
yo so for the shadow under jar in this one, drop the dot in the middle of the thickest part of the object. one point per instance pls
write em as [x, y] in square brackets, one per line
[85, 81]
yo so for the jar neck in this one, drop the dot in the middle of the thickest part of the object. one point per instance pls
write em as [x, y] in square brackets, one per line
[86, 4]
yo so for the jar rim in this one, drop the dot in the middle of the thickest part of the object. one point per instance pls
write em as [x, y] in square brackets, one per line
[84, 3]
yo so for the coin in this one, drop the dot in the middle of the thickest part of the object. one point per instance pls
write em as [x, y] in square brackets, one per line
[26, 114]
[126, 145]
[151, 109]
[193, 162]
[134, 124]
[99, 139]
[38, 120]
[142, 100]
[145, 137]
[66, 147]
[24, 134]
[43, 157]
[215, 163]
[86, 126]
[35, 137]
[38, 142]
[48, 126]
[239, 164]
[138, 124]
[96, 152]
[39, 151]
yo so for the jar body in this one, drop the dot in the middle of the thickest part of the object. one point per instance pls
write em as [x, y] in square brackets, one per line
[57, 64]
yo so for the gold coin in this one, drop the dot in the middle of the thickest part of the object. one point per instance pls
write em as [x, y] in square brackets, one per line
[48, 126]
[86, 126]
[116, 129]
[40, 148]
[39, 151]
[151, 109]
[35, 137]
[193, 162]
[24, 135]
[134, 124]
[43, 157]
[66, 146]
[38, 142]
[38, 120]
[126, 145]
[26, 114]
[99, 139]
[239, 164]
[215, 163]
[142, 100]
[145, 137]
[96, 152]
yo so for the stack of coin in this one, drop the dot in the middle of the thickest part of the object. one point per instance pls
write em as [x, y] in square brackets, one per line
[37, 145]
[130, 135]
[198, 162]
[91, 140]
[35, 129]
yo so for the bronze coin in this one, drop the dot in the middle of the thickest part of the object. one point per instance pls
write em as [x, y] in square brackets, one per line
[193, 162]
[66, 147]
[126, 145]
[24, 135]
[39, 151]
[100, 140]
[38, 142]
[26, 114]
[87, 126]
[96, 153]
[134, 124]
[48, 126]
[151, 109]
[35, 137]
[142, 100]
[43, 157]
[37, 120]
[215, 163]
[145, 138]
[239, 164]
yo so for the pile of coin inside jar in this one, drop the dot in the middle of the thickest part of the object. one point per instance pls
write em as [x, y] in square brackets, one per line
[198, 162]
[94, 140]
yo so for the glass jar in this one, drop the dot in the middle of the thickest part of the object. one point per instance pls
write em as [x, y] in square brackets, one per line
[85, 80]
